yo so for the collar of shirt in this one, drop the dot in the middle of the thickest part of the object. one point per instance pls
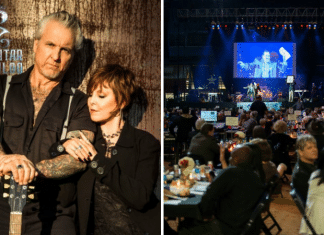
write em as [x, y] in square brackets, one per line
[24, 77]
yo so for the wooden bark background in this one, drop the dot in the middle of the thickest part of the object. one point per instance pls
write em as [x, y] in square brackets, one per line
[127, 32]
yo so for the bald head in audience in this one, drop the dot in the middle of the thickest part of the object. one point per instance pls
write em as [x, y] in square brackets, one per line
[240, 155]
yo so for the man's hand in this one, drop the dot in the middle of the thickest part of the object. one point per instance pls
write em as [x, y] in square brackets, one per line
[240, 63]
[22, 169]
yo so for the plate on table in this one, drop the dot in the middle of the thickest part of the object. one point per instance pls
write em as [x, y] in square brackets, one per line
[190, 195]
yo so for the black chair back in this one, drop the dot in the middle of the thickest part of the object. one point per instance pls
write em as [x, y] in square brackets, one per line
[256, 214]
[300, 204]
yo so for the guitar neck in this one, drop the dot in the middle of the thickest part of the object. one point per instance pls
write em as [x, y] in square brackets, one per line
[15, 223]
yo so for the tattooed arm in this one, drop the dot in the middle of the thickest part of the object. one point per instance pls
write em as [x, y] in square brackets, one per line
[64, 165]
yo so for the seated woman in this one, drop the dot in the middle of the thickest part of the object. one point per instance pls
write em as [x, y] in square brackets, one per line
[315, 202]
[115, 194]
[281, 142]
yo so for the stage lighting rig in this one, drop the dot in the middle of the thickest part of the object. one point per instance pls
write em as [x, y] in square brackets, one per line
[213, 24]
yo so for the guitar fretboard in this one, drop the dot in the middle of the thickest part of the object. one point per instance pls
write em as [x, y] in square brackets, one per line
[15, 223]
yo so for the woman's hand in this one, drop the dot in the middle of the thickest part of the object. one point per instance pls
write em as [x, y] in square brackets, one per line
[80, 149]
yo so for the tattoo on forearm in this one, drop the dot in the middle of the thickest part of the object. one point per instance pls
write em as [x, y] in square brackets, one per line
[64, 165]
[60, 167]
[76, 134]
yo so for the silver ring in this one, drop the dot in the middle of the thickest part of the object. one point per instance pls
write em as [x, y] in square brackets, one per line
[80, 147]
[19, 167]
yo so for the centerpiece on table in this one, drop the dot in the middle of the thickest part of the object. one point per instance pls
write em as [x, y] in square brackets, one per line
[181, 186]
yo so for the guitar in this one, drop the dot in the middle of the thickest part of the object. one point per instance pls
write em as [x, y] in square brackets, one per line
[17, 198]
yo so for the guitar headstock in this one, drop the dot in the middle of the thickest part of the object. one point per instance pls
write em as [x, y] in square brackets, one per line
[16, 194]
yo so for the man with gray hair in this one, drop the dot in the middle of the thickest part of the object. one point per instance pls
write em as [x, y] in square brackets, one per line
[307, 154]
[36, 106]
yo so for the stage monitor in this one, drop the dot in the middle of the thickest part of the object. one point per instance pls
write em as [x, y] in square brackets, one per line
[290, 79]
[264, 60]
[209, 116]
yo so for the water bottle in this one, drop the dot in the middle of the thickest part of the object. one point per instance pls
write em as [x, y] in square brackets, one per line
[197, 167]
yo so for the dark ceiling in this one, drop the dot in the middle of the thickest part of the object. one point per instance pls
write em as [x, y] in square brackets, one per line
[197, 4]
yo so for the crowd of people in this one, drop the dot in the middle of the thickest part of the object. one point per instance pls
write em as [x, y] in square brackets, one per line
[266, 140]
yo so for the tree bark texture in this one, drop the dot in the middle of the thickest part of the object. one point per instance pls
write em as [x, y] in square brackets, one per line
[127, 32]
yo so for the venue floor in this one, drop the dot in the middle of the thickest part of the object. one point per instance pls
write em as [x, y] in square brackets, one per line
[283, 209]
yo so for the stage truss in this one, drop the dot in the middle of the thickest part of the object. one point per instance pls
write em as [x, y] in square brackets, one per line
[256, 15]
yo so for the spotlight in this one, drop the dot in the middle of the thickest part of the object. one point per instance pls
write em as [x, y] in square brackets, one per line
[273, 27]
[236, 26]
[242, 26]
[226, 26]
[302, 26]
[213, 26]
[315, 26]
[309, 26]
[218, 26]
[290, 26]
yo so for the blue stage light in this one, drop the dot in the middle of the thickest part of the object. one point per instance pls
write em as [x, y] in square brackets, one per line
[218, 26]
[236, 26]
[315, 26]
[242, 26]
[213, 26]
[273, 27]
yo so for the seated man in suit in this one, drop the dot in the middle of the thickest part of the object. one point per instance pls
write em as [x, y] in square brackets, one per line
[232, 196]
[307, 154]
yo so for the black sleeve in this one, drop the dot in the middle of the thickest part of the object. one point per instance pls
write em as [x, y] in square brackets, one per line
[300, 183]
[218, 188]
[136, 191]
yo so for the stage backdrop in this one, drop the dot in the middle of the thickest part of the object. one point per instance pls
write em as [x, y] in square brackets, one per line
[124, 32]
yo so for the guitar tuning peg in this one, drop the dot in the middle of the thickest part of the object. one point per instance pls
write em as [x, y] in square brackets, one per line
[5, 195]
[6, 185]
[7, 177]
[31, 196]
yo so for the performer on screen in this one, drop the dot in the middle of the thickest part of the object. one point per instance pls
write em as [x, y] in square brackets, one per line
[264, 67]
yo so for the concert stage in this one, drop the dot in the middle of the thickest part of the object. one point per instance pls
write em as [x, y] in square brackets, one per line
[234, 105]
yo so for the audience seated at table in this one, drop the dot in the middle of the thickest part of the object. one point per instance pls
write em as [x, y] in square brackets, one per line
[199, 123]
[259, 132]
[281, 142]
[315, 202]
[307, 154]
[232, 196]
[203, 146]
[243, 118]
[268, 166]
[250, 124]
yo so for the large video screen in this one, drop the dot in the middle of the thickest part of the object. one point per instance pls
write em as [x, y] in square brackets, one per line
[264, 60]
